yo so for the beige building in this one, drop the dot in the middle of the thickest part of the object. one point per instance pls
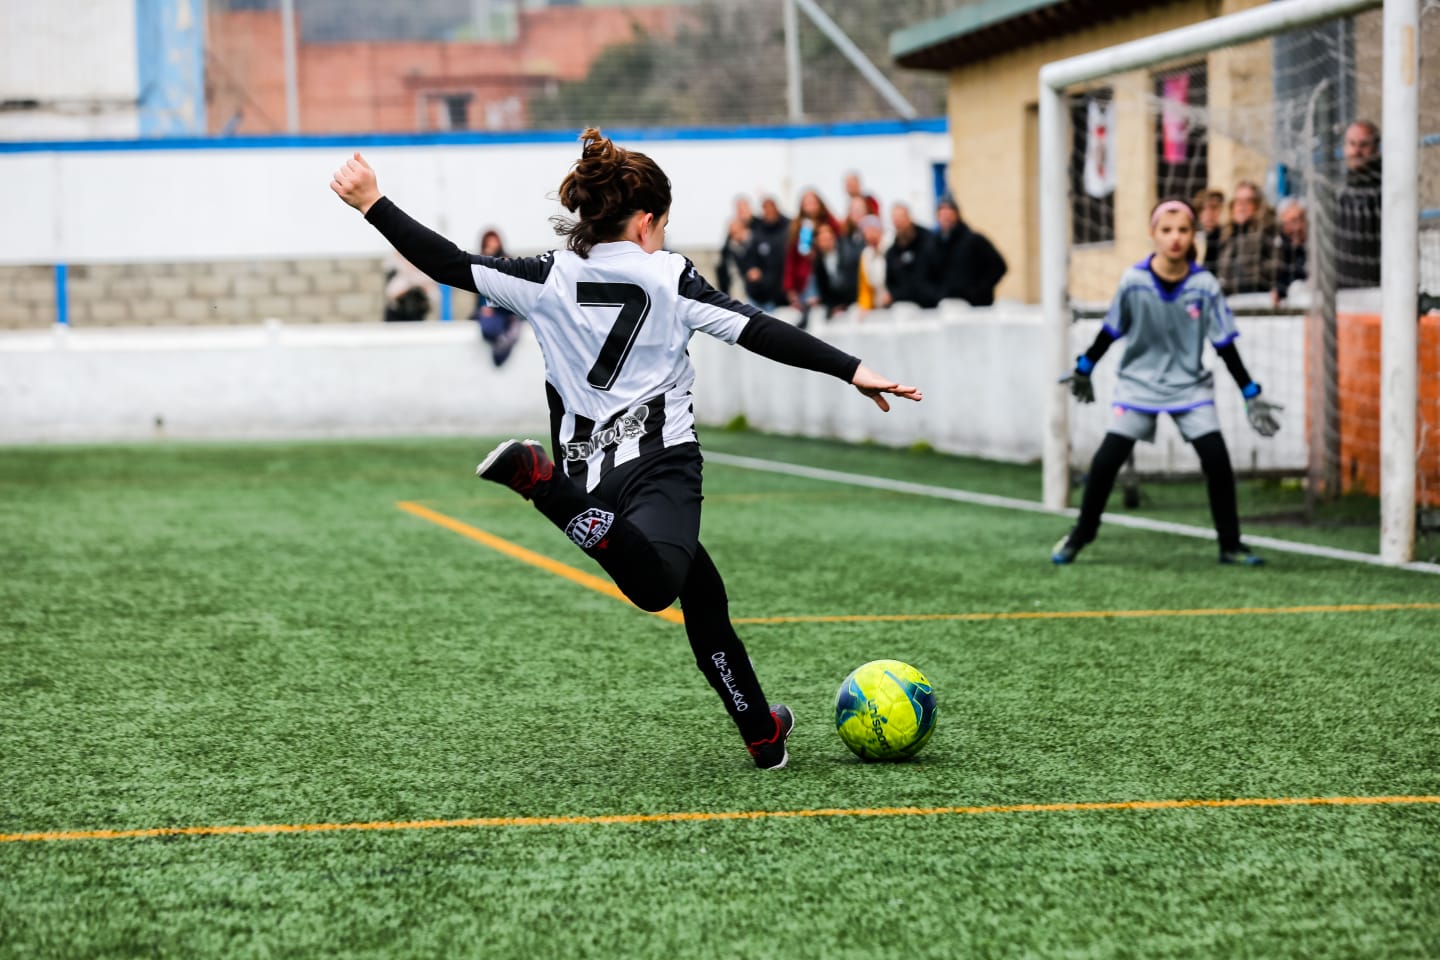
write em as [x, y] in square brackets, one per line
[993, 50]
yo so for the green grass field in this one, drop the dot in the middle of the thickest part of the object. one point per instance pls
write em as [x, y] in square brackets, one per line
[258, 636]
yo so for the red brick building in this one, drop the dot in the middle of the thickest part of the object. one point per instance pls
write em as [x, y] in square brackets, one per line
[362, 87]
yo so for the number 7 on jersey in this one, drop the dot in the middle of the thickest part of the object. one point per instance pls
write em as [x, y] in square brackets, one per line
[634, 304]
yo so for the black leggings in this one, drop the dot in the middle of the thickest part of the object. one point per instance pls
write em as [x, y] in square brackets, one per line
[645, 536]
[1219, 484]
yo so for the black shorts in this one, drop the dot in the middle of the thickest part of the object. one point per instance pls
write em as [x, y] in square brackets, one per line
[659, 494]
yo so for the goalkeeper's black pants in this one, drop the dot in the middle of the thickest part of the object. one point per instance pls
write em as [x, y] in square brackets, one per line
[642, 525]
[1219, 484]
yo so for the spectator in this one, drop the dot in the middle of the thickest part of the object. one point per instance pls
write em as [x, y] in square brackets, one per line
[853, 191]
[850, 230]
[909, 261]
[799, 252]
[1250, 244]
[1210, 211]
[966, 265]
[498, 327]
[734, 252]
[870, 290]
[1357, 215]
[765, 262]
[408, 292]
[837, 270]
[1294, 230]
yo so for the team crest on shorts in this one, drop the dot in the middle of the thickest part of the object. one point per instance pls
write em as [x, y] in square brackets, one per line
[590, 527]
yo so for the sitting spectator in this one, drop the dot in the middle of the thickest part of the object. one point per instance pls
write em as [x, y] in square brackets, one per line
[1294, 228]
[799, 276]
[765, 262]
[966, 264]
[909, 261]
[870, 291]
[837, 271]
[853, 191]
[1249, 245]
[1209, 206]
[498, 327]
[408, 292]
[1357, 210]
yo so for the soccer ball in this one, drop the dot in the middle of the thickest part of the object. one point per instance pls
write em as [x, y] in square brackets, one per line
[885, 710]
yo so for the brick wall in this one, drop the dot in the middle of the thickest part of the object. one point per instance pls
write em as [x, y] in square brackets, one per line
[201, 294]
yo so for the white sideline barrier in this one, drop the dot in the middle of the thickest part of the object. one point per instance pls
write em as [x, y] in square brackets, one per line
[268, 381]
[984, 387]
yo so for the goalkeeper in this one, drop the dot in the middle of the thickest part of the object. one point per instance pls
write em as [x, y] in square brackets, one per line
[1167, 306]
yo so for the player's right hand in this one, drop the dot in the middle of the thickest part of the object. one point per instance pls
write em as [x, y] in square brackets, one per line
[355, 183]
[1082, 388]
[875, 387]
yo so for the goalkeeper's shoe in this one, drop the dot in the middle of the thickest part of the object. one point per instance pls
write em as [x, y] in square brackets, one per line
[521, 465]
[771, 754]
[1067, 549]
[1242, 556]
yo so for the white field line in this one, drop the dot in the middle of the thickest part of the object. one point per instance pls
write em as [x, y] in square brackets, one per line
[1033, 506]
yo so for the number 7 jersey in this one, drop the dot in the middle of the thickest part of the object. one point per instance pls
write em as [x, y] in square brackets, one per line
[614, 328]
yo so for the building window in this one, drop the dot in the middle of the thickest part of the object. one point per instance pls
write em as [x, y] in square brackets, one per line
[1092, 173]
[1182, 155]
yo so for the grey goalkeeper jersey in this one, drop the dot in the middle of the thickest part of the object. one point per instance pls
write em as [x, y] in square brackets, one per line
[1165, 327]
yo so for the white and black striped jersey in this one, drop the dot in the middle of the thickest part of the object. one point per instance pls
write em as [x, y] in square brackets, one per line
[614, 328]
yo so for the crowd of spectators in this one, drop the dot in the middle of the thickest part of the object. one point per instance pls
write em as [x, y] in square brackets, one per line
[1254, 248]
[822, 265]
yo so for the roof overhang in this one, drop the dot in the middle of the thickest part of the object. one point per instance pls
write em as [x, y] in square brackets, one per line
[982, 29]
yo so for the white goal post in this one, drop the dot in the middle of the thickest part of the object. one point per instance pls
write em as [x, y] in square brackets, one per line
[1399, 227]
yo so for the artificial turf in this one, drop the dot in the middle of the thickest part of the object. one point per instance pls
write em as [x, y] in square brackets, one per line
[205, 635]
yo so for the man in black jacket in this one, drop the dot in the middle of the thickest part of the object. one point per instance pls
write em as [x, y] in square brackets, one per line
[765, 265]
[1357, 213]
[966, 265]
[909, 263]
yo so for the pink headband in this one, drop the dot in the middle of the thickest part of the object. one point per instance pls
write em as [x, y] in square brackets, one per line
[1172, 206]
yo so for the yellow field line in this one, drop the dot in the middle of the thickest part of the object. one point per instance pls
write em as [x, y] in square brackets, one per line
[701, 816]
[1089, 614]
[600, 585]
[517, 552]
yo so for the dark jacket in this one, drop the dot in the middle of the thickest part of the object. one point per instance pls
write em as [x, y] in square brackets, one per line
[839, 287]
[767, 251]
[1357, 229]
[734, 257]
[966, 267]
[1249, 255]
[909, 265]
[1290, 265]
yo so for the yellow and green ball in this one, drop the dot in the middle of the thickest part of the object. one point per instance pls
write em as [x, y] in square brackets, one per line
[885, 710]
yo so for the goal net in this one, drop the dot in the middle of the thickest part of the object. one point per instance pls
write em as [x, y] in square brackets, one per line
[1278, 144]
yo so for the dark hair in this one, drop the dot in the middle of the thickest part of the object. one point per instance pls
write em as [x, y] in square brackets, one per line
[605, 187]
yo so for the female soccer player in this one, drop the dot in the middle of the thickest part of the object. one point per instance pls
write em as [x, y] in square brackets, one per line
[613, 314]
[1166, 308]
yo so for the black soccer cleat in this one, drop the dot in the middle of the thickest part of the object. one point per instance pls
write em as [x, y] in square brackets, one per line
[771, 754]
[1241, 556]
[521, 465]
[1067, 549]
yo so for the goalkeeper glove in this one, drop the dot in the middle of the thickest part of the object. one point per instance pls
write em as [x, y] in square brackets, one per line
[1081, 387]
[1261, 412]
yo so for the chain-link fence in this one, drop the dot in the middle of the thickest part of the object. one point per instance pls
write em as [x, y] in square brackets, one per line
[379, 66]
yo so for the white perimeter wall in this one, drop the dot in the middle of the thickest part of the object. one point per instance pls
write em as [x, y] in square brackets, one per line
[78, 58]
[983, 395]
[97, 205]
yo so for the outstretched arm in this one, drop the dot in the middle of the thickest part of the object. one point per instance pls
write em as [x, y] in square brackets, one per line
[440, 259]
[1260, 412]
[706, 309]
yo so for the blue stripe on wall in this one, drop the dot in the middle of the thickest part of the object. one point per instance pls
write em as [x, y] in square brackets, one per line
[866, 128]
